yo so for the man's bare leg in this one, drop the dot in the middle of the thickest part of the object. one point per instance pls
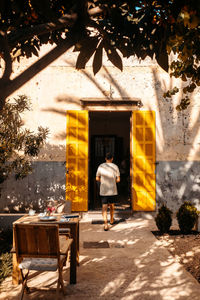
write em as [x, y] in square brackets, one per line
[104, 213]
[112, 208]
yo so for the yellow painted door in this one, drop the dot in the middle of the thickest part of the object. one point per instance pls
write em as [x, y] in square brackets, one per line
[143, 161]
[77, 160]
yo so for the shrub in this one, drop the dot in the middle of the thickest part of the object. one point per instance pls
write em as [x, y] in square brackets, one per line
[164, 219]
[18, 144]
[5, 255]
[5, 266]
[186, 217]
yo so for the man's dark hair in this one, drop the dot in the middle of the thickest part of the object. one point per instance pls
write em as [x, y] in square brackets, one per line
[109, 156]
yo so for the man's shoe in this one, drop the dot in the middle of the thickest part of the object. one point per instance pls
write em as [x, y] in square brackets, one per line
[105, 227]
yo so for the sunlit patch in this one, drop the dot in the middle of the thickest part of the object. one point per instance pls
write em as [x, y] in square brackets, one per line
[114, 285]
[132, 242]
[93, 260]
[138, 283]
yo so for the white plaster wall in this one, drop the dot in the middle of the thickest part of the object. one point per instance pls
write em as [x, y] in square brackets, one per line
[59, 88]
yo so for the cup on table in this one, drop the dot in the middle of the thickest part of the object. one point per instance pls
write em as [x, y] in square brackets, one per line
[31, 212]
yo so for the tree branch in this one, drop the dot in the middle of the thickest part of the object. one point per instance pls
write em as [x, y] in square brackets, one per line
[11, 86]
[5, 50]
[21, 35]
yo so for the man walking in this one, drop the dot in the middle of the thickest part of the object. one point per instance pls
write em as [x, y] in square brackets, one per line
[108, 175]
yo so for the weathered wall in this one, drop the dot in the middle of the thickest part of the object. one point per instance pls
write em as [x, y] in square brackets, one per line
[178, 181]
[60, 87]
[47, 182]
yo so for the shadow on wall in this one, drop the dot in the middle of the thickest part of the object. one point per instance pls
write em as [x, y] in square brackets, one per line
[177, 171]
[47, 182]
[53, 152]
[177, 180]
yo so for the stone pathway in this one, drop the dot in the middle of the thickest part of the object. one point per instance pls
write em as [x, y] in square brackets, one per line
[126, 262]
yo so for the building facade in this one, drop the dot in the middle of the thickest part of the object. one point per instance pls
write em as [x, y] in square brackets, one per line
[155, 146]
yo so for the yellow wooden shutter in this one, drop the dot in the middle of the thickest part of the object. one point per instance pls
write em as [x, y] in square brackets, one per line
[77, 160]
[143, 155]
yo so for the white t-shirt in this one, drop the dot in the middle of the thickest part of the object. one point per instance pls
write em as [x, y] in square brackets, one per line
[108, 173]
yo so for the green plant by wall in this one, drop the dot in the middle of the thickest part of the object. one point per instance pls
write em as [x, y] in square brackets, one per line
[17, 143]
[186, 217]
[164, 219]
[5, 255]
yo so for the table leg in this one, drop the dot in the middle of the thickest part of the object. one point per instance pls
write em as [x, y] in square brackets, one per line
[77, 251]
[16, 274]
[73, 257]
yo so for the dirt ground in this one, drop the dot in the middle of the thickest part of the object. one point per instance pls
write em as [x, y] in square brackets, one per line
[134, 266]
[185, 249]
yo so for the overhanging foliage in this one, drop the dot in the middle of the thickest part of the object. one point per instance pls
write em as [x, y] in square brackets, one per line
[122, 28]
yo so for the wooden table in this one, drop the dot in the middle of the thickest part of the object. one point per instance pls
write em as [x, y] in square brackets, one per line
[73, 224]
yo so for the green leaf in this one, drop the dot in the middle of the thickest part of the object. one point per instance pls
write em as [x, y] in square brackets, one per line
[97, 62]
[34, 51]
[183, 77]
[162, 59]
[86, 51]
[44, 7]
[113, 56]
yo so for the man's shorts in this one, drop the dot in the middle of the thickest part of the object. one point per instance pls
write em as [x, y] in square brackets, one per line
[108, 199]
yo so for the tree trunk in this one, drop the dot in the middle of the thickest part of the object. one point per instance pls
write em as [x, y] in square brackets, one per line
[10, 86]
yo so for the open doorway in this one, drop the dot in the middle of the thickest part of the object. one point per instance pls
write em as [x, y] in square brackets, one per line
[109, 132]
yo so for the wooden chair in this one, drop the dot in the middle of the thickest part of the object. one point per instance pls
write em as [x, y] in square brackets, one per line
[65, 231]
[39, 247]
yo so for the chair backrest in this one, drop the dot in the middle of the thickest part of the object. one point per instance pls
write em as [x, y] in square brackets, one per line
[36, 240]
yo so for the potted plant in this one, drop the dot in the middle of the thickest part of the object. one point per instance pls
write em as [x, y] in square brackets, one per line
[187, 217]
[164, 219]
